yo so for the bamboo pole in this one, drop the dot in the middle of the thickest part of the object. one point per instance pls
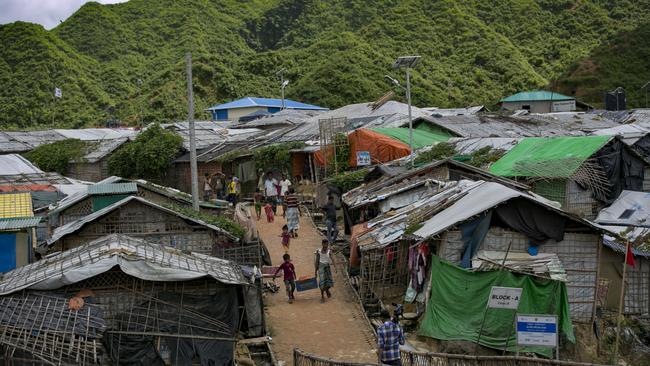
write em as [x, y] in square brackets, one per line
[620, 303]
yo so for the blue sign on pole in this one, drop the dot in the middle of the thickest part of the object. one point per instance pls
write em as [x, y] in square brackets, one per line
[537, 330]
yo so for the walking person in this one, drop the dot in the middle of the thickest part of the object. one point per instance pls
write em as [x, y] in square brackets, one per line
[217, 185]
[286, 239]
[322, 262]
[271, 190]
[207, 187]
[389, 338]
[293, 212]
[330, 220]
[257, 202]
[232, 191]
[285, 183]
[289, 274]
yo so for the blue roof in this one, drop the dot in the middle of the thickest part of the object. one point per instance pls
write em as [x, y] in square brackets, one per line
[265, 102]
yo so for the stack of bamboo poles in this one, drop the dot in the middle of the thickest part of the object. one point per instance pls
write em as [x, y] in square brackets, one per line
[44, 326]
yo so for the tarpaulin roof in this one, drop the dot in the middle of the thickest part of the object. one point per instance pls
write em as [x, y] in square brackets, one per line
[630, 209]
[552, 157]
[381, 147]
[135, 257]
[480, 197]
[76, 225]
[421, 138]
[456, 308]
[16, 205]
[14, 164]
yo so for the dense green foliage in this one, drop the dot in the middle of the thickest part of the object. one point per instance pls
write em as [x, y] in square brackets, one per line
[441, 150]
[485, 156]
[56, 156]
[346, 181]
[148, 156]
[219, 221]
[126, 61]
[275, 157]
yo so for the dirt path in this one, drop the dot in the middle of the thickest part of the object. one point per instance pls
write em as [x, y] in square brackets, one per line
[335, 329]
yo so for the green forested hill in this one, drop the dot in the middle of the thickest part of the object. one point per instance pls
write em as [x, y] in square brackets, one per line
[335, 52]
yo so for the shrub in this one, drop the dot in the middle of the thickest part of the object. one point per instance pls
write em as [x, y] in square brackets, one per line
[221, 222]
[346, 181]
[56, 156]
[275, 157]
[148, 156]
[441, 150]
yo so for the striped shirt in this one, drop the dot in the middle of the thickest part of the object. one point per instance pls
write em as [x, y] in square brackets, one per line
[291, 201]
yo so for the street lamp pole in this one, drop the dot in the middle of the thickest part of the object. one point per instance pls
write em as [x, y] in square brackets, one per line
[408, 98]
[645, 87]
[408, 62]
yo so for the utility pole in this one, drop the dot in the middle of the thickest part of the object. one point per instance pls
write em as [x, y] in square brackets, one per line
[190, 119]
[408, 99]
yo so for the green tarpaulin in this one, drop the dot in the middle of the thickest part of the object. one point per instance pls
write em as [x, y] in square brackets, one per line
[421, 138]
[100, 202]
[459, 298]
[551, 157]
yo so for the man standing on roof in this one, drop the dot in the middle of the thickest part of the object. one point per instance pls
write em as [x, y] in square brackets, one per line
[271, 190]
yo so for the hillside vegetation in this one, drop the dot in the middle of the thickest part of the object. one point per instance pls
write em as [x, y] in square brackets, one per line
[126, 61]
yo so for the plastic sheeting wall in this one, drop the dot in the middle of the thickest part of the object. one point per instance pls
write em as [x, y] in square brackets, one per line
[578, 253]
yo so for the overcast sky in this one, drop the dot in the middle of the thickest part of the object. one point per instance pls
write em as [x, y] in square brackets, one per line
[45, 12]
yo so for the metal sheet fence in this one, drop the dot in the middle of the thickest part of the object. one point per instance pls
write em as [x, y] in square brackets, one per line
[302, 358]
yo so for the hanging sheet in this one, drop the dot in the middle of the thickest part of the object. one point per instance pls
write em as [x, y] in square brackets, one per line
[537, 223]
[473, 234]
[459, 297]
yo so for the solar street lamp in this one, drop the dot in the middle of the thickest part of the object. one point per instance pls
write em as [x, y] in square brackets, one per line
[407, 62]
[283, 83]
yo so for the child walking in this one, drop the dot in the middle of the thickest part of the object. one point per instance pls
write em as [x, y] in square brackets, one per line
[268, 209]
[257, 201]
[289, 276]
[286, 238]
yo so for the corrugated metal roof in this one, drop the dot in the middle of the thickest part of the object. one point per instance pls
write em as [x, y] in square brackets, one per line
[103, 149]
[136, 256]
[14, 164]
[16, 205]
[113, 188]
[536, 96]
[264, 102]
[28, 188]
[76, 225]
[17, 223]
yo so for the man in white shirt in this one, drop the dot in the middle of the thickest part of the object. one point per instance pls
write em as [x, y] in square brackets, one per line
[284, 190]
[271, 190]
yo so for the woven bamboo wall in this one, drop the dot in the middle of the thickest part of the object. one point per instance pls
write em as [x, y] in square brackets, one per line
[143, 221]
[577, 252]
[80, 209]
[384, 272]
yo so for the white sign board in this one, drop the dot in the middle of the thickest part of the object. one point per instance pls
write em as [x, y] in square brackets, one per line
[504, 298]
[363, 158]
[537, 330]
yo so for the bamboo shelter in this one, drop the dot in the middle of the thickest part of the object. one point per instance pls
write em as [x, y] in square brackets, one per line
[119, 300]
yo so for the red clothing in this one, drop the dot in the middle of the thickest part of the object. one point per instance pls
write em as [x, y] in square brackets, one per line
[285, 238]
[288, 270]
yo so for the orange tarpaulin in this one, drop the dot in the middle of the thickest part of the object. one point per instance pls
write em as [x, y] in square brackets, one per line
[382, 148]
[357, 231]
